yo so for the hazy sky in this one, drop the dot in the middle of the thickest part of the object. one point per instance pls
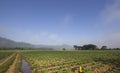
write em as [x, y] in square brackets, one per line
[56, 22]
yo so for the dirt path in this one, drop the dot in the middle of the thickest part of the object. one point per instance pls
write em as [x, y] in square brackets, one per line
[12, 67]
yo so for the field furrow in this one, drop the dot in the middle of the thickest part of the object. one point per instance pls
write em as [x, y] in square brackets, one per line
[12, 67]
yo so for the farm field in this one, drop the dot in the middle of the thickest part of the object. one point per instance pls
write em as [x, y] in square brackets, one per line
[92, 61]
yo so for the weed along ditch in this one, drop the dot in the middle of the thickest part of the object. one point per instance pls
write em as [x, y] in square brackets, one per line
[25, 67]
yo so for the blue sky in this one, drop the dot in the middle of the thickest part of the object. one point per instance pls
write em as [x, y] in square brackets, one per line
[56, 22]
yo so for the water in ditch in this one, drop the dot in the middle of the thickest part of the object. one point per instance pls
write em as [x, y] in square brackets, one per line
[25, 67]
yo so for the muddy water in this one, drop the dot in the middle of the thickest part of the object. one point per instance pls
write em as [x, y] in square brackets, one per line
[25, 67]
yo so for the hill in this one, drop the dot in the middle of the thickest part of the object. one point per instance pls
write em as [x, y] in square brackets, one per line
[7, 43]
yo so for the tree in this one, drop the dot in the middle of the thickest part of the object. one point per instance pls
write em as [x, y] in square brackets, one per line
[64, 49]
[116, 48]
[103, 47]
[76, 47]
[79, 47]
[89, 47]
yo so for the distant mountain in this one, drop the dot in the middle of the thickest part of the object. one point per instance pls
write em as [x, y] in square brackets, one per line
[7, 43]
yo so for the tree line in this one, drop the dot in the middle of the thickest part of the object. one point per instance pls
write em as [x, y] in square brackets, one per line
[93, 47]
[24, 48]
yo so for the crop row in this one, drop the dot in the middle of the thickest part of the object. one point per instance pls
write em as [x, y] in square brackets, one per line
[11, 63]
[70, 61]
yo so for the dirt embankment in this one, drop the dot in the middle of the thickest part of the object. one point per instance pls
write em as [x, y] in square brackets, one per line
[12, 67]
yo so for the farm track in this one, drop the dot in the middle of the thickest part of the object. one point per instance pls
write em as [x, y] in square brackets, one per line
[6, 59]
[12, 67]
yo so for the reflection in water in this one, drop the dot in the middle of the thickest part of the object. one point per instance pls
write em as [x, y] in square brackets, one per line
[25, 67]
